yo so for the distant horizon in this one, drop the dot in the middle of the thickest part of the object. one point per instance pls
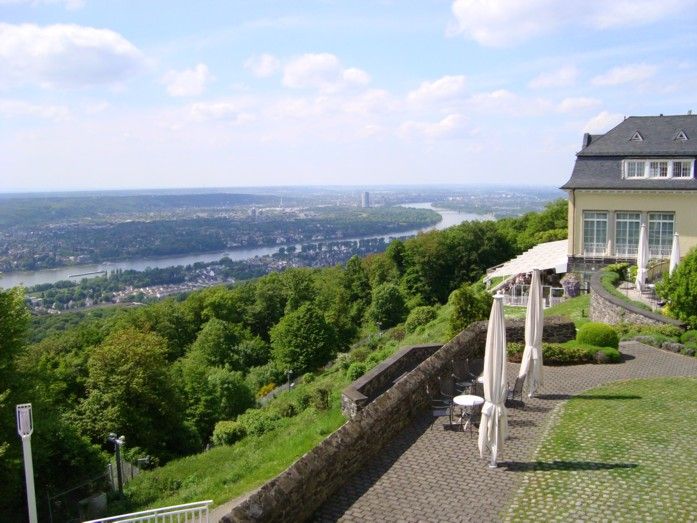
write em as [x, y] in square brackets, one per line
[247, 188]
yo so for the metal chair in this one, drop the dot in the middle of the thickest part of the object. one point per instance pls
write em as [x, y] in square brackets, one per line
[462, 375]
[514, 398]
[443, 405]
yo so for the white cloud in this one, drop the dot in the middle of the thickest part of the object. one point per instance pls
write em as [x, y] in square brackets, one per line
[625, 74]
[602, 122]
[450, 126]
[189, 82]
[446, 87]
[227, 111]
[65, 55]
[263, 65]
[18, 108]
[580, 103]
[321, 71]
[563, 77]
[501, 23]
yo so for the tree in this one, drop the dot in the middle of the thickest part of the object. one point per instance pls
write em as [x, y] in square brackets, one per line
[303, 340]
[356, 283]
[300, 287]
[216, 342]
[14, 319]
[470, 303]
[388, 307]
[130, 391]
[396, 253]
[680, 289]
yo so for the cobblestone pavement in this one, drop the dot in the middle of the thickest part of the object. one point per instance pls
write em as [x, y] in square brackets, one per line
[431, 474]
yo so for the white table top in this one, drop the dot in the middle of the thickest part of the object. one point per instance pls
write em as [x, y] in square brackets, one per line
[468, 400]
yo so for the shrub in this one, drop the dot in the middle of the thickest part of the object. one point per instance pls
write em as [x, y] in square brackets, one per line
[612, 355]
[688, 351]
[470, 303]
[632, 273]
[266, 389]
[355, 370]
[620, 268]
[515, 351]
[689, 336]
[388, 306]
[257, 421]
[631, 330]
[227, 432]
[308, 377]
[302, 400]
[359, 354]
[396, 333]
[320, 398]
[343, 360]
[420, 316]
[284, 408]
[678, 289]
[672, 346]
[599, 335]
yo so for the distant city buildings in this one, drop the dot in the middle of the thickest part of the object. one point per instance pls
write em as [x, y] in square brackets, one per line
[365, 199]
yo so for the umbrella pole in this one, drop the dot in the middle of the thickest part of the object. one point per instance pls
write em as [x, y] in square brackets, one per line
[494, 450]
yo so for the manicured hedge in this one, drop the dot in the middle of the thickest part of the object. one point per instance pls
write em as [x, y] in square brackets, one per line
[598, 334]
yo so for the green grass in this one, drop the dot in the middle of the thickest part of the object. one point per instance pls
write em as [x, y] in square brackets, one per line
[437, 331]
[622, 452]
[226, 472]
[574, 309]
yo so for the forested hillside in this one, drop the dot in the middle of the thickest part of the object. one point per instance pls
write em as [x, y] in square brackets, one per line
[164, 374]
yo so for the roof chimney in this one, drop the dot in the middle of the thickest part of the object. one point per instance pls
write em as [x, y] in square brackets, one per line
[586, 140]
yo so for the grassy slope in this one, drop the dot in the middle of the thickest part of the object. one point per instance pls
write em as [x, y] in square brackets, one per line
[575, 309]
[226, 472]
[622, 452]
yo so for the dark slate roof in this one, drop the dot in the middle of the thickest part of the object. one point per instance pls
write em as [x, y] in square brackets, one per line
[599, 164]
[658, 133]
[606, 173]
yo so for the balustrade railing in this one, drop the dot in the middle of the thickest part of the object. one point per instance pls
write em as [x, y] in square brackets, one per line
[188, 513]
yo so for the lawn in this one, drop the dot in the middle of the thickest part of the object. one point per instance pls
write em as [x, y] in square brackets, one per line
[575, 309]
[622, 452]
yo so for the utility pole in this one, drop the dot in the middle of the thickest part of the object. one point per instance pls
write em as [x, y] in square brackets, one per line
[25, 428]
[117, 451]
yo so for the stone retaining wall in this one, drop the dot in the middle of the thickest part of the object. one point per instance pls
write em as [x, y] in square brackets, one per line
[297, 492]
[606, 308]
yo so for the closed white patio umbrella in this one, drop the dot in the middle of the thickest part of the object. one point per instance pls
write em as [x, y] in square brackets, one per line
[642, 258]
[494, 424]
[531, 365]
[674, 253]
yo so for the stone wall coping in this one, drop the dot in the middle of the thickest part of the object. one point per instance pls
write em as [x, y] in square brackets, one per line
[386, 364]
[598, 288]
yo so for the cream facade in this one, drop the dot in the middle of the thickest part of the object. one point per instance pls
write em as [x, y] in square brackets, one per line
[605, 224]
[642, 172]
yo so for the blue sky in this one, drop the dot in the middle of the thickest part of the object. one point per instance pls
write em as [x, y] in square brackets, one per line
[132, 94]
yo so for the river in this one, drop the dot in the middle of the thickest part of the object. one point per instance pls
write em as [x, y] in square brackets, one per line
[30, 278]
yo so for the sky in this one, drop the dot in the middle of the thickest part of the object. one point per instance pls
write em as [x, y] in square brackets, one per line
[151, 94]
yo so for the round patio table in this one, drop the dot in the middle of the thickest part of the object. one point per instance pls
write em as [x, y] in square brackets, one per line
[468, 402]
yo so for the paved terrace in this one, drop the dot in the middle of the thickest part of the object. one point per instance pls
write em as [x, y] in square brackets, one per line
[431, 474]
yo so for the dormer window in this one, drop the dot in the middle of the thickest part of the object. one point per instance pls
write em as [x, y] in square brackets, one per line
[657, 169]
[636, 137]
[680, 136]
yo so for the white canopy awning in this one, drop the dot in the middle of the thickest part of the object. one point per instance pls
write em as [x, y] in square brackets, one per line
[544, 256]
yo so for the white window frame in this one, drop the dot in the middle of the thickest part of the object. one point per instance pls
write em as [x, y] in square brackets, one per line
[630, 166]
[622, 218]
[595, 248]
[659, 218]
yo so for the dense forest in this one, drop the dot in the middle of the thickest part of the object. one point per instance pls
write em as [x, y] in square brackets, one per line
[165, 373]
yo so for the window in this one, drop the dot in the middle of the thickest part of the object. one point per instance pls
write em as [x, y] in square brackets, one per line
[680, 136]
[594, 233]
[658, 169]
[682, 169]
[655, 168]
[636, 137]
[634, 169]
[660, 234]
[627, 227]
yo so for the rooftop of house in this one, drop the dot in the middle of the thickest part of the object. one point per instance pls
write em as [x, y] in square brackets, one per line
[599, 162]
